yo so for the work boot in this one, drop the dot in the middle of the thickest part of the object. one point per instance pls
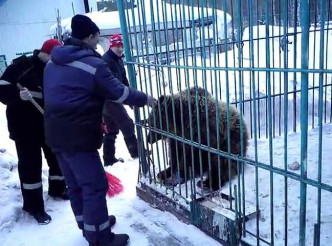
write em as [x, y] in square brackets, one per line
[41, 217]
[63, 195]
[57, 189]
[116, 240]
[112, 161]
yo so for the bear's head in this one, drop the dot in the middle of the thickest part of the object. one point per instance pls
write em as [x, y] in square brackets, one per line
[160, 118]
[172, 112]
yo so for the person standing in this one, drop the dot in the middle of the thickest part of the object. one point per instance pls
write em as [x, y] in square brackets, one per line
[76, 83]
[115, 115]
[26, 128]
[284, 42]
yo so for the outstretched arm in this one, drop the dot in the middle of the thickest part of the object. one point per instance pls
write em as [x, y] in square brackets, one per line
[112, 89]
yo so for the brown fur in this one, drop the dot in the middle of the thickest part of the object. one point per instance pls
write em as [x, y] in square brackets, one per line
[181, 156]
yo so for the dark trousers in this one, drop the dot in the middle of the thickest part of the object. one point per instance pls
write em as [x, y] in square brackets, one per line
[30, 172]
[87, 187]
[117, 119]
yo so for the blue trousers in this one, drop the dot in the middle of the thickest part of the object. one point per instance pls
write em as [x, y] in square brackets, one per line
[87, 187]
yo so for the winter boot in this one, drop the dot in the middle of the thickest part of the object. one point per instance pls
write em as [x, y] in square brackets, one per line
[132, 146]
[112, 161]
[63, 195]
[41, 217]
[116, 240]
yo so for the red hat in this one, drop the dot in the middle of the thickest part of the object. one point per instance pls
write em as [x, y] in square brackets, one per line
[48, 45]
[116, 40]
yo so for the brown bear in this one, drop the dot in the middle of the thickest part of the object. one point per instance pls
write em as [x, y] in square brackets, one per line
[183, 114]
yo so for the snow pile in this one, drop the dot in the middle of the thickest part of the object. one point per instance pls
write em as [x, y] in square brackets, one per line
[9, 189]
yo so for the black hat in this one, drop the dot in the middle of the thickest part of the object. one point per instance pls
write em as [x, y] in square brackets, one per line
[82, 27]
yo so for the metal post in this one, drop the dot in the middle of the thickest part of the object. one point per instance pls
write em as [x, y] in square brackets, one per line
[320, 122]
[59, 28]
[304, 116]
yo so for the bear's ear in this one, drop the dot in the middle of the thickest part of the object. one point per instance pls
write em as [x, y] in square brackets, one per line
[161, 99]
[164, 100]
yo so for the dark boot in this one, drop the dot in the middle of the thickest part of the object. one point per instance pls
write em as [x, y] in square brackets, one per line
[116, 240]
[112, 161]
[41, 217]
[62, 195]
[132, 146]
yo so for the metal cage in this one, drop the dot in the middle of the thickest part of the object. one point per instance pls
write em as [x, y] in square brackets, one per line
[264, 63]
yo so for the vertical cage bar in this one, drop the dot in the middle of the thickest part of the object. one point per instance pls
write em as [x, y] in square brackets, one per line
[285, 22]
[216, 54]
[238, 39]
[256, 121]
[269, 115]
[295, 66]
[304, 116]
[320, 121]
[186, 62]
[124, 30]
[326, 65]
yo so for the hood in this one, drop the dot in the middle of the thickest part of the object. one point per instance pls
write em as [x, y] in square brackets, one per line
[72, 51]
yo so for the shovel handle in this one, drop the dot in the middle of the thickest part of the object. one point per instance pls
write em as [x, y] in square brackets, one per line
[32, 100]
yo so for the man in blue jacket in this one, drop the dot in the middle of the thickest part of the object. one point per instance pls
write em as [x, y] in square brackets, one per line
[76, 83]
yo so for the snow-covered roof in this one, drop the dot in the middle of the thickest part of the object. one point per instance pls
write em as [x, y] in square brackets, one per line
[109, 22]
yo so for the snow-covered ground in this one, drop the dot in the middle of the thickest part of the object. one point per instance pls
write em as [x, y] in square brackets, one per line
[145, 225]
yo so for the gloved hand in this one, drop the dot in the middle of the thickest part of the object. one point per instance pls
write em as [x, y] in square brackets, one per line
[25, 94]
[151, 102]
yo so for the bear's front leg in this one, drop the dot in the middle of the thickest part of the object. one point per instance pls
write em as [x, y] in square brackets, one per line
[212, 181]
[165, 174]
[174, 180]
[172, 162]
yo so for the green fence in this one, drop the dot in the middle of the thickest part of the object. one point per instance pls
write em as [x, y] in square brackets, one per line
[226, 72]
